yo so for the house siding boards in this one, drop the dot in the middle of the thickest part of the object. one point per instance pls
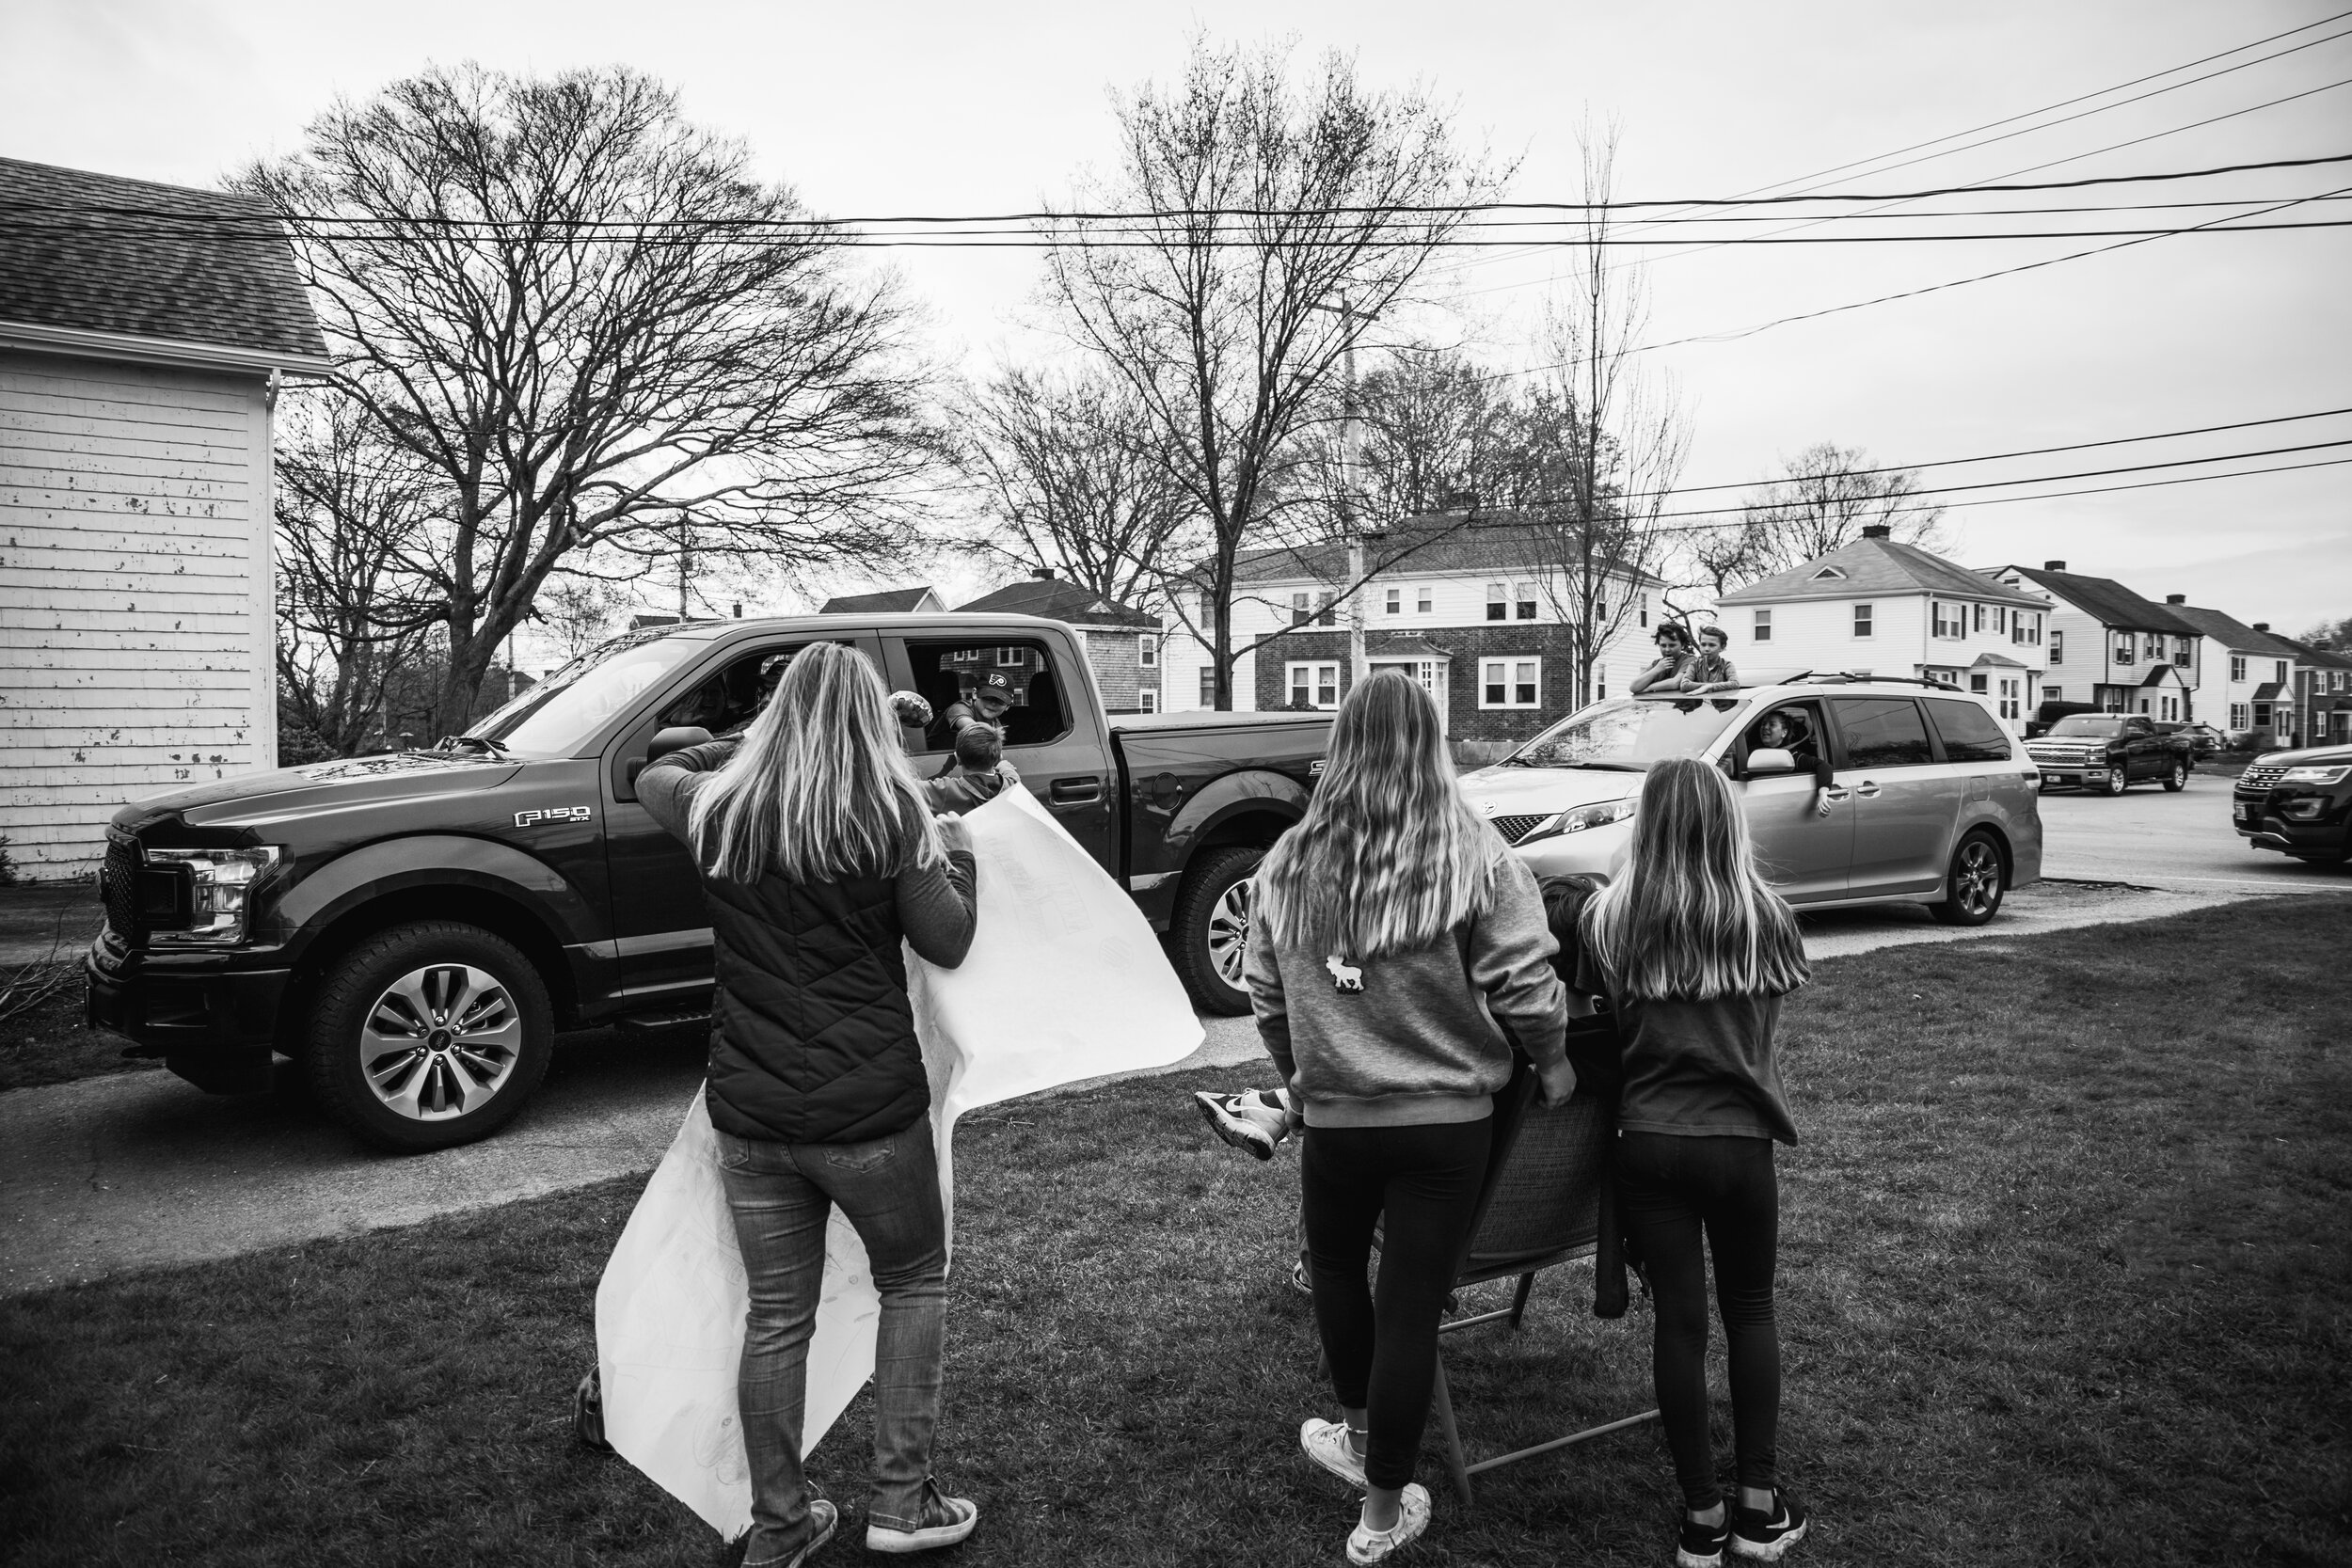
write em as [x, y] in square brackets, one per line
[2093, 618]
[135, 587]
[2228, 700]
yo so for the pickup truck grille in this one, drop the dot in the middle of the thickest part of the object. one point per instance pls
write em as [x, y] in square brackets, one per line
[115, 884]
[2254, 781]
[1513, 828]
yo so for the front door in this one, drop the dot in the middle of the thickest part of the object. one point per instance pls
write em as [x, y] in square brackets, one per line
[1906, 804]
[1803, 850]
[1430, 675]
[660, 929]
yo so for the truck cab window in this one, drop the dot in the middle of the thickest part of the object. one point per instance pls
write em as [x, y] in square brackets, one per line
[947, 673]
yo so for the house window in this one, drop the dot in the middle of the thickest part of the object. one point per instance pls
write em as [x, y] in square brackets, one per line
[2282, 676]
[1497, 602]
[2057, 648]
[1600, 683]
[1314, 684]
[2155, 648]
[1393, 601]
[1300, 613]
[2000, 619]
[1207, 686]
[1508, 682]
[1148, 652]
[1944, 619]
[1600, 609]
[1645, 609]
[1763, 632]
[2008, 697]
[1862, 619]
[2053, 693]
[1524, 598]
[1979, 616]
[1424, 599]
[2237, 669]
[2180, 651]
[1827, 573]
[2237, 716]
[1322, 608]
[2125, 648]
[1976, 681]
[1147, 701]
[1013, 658]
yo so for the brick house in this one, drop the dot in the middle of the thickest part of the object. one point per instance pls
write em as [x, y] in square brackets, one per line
[2108, 646]
[140, 359]
[1466, 611]
[2250, 676]
[1122, 643]
[2324, 689]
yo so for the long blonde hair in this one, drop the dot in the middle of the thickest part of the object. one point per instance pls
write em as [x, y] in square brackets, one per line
[821, 788]
[1388, 857]
[1691, 919]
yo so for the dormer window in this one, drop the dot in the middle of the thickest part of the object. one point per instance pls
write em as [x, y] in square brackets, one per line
[1827, 572]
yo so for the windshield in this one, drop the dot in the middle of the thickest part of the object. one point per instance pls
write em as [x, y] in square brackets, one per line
[555, 717]
[1628, 734]
[2087, 724]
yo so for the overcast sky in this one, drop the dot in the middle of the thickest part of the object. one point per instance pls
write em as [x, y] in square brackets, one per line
[970, 108]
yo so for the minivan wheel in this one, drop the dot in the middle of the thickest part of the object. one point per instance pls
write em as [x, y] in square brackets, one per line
[428, 1035]
[2177, 780]
[1973, 887]
[1210, 927]
[2119, 779]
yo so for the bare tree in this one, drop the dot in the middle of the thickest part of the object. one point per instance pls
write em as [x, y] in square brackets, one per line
[1074, 483]
[585, 317]
[1829, 495]
[577, 611]
[1433, 424]
[1601, 443]
[1259, 227]
[351, 506]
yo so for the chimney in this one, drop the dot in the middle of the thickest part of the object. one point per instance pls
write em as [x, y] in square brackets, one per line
[739, 616]
[2053, 565]
[1873, 530]
[1045, 574]
[2259, 626]
[2176, 598]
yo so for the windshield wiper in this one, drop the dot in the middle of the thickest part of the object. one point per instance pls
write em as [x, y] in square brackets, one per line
[459, 743]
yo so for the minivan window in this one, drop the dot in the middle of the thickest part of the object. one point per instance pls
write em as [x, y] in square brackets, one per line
[1883, 732]
[555, 717]
[1628, 732]
[1969, 733]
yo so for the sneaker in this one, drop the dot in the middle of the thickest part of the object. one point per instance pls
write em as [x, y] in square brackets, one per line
[1255, 1120]
[1301, 1280]
[588, 1412]
[946, 1521]
[1702, 1545]
[1326, 1444]
[1366, 1545]
[1761, 1535]
[824, 1517]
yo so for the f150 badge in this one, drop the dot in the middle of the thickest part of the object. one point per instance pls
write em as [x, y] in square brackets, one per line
[553, 814]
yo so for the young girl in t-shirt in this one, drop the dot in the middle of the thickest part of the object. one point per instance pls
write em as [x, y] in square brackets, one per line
[1694, 952]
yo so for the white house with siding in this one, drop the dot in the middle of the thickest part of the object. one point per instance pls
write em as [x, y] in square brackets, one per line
[143, 332]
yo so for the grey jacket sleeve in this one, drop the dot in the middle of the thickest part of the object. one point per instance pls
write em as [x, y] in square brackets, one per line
[666, 787]
[938, 907]
[1263, 979]
[1510, 964]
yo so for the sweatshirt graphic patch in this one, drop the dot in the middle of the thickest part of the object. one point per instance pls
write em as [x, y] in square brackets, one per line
[1344, 977]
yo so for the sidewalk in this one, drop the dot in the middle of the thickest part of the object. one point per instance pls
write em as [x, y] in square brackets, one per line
[43, 919]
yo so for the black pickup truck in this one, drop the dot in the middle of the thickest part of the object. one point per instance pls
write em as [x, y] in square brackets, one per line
[2110, 752]
[413, 928]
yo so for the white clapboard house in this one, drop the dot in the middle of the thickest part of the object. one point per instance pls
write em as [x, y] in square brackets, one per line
[144, 330]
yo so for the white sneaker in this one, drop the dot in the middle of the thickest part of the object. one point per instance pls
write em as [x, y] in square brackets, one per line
[1326, 1444]
[957, 1518]
[1376, 1545]
[1253, 1120]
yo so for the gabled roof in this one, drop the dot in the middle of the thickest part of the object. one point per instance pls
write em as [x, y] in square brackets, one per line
[1423, 544]
[2104, 601]
[2233, 634]
[2269, 691]
[1882, 567]
[1052, 599]
[2158, 674]
[83, 253]
[2317, 657]
[890, 601]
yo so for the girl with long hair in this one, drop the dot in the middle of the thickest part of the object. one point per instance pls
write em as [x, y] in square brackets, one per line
[1398, 953]
[819, 854]
[1694, 952]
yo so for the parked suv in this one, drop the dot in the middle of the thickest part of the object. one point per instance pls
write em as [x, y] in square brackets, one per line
[1929, 800]
[414, 927]
[2109, 750]
[2298, 803]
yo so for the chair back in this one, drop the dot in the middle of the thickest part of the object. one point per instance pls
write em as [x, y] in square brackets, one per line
[1541, 1199]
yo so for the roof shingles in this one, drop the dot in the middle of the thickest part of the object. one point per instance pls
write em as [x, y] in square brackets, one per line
[96, 253]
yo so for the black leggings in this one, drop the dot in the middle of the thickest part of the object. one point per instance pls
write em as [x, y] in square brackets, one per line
[1673, 1187]
[1383, 1347]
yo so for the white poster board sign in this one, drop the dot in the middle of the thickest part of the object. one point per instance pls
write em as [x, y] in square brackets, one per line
[1065, 981]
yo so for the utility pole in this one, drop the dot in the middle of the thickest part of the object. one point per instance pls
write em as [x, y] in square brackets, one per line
[1351, 456]
[685, 562]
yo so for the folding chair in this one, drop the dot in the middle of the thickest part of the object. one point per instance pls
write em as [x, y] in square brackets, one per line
[1540, 1207]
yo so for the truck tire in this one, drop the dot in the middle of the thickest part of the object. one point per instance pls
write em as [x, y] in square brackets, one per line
[2119, 777]
[2176, 778]
[1974, 886]
[428, 1035]
[1210, 924]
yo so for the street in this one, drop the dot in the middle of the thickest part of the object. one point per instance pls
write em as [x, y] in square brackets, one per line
[2183, 842]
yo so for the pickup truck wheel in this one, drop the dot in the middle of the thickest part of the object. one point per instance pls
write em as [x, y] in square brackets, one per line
[1973, 887]
[1209, 927]
[428, 1035]
[2177, 779]
[2119, 777]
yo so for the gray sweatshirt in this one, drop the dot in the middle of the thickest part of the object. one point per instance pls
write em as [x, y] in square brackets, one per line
[1419, 1037]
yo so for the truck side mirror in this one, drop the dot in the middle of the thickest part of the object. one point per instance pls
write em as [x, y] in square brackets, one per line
[675, 737]
[1769, 759]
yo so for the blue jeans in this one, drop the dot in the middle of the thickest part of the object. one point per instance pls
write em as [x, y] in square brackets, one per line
[781, 1196]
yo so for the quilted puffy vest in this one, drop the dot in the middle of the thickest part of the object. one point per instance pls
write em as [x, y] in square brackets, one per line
[811, 1038]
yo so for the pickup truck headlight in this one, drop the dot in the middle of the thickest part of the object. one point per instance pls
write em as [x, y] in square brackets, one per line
[2314, 775]
[220, 884]
[1577, 819]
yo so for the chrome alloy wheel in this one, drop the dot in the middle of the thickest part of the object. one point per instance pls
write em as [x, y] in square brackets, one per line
[1977, 878]
[440, 1041]
[1229, 934]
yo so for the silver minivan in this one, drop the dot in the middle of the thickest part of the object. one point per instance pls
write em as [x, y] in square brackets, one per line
[1858, 790]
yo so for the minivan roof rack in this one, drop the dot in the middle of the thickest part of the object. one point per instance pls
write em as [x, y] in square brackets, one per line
[1850, 677]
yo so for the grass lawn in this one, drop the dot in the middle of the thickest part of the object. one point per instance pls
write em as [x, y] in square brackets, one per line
[2064, 1281]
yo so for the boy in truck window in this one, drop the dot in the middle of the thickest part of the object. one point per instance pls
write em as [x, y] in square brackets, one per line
[978, 772]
